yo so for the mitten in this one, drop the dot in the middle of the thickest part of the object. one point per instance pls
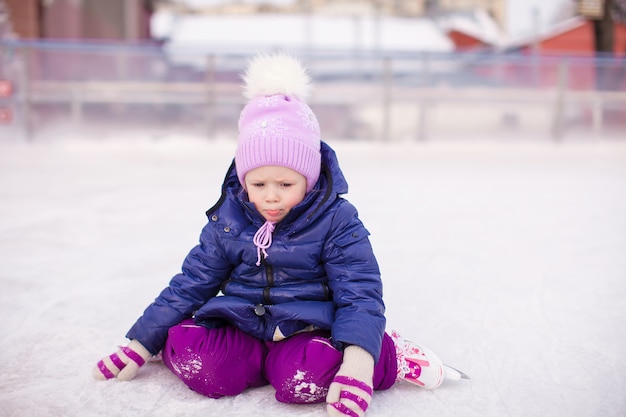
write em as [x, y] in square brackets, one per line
[122, 364]
[350, 393]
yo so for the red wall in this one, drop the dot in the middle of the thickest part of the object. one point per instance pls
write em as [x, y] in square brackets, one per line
[620, 40]
[580, 40]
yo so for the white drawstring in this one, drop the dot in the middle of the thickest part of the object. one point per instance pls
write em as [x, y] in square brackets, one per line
[263, 239]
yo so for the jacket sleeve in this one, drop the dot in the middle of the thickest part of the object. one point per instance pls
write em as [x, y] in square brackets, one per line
[355, 282]
[203, 271]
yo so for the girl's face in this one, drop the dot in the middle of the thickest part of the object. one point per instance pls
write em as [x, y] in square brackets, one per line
[275, 190]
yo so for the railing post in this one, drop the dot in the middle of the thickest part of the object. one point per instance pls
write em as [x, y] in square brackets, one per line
[597, 114]
[25, 93]
[387, 87]
[210, 89]
[557, 127]
[77, 106]
[422, 121]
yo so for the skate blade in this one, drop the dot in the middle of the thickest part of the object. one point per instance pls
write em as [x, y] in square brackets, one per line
[453, 373]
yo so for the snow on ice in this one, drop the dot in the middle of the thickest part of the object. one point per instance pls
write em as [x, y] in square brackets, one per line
[507, 259]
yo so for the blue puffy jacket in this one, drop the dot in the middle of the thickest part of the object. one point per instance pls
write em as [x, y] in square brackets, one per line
[320, 272]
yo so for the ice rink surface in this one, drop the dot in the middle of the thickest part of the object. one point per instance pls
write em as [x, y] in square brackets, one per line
[507, 258]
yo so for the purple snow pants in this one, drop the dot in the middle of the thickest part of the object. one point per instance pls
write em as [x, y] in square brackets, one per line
[226, 361]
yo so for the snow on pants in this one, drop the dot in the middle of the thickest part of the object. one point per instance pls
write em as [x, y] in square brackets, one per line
[226, 361]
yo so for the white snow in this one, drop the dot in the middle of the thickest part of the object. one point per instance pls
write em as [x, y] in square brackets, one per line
[505, 258]
[189, 37]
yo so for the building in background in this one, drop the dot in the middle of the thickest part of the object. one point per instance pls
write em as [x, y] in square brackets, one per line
[127, 20]
[415, 8]
[606, 16]
[24, 17]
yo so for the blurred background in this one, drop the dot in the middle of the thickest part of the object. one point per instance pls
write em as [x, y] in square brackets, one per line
[384, 70]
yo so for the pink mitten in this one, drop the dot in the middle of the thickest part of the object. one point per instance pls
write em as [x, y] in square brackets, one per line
[351, 391]
[122, 364]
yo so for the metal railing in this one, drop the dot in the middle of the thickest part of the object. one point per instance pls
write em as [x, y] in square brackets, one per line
[91, 88]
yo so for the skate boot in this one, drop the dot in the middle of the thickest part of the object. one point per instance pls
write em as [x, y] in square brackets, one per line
[420, 366]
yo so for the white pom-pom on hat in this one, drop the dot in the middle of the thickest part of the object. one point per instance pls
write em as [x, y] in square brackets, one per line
[276, 126]
[276, 74]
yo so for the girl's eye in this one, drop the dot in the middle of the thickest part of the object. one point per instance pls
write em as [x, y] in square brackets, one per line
[257, 184]
[286, 184]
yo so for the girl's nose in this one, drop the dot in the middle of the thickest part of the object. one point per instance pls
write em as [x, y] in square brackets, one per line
[272, 194]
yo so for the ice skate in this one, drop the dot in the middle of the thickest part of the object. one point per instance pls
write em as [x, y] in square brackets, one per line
[418, 365]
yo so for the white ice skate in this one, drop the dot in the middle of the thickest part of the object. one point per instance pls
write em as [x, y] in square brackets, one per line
[420, 366]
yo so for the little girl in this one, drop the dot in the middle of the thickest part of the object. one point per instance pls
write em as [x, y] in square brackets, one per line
[283, 287]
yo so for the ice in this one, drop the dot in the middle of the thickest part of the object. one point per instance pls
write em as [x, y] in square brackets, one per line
[504, 257]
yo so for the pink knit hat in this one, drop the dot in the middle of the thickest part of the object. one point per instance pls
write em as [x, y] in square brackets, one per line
[277, 127]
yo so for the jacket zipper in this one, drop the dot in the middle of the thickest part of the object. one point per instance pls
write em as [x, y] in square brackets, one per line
[269, 273]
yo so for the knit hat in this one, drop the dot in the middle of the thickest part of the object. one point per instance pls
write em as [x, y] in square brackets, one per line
[277, 127]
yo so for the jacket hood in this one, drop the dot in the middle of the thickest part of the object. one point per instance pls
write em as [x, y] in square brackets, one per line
[330, 185]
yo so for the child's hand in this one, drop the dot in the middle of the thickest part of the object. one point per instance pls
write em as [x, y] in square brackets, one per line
[122, 364]
[350, 393]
